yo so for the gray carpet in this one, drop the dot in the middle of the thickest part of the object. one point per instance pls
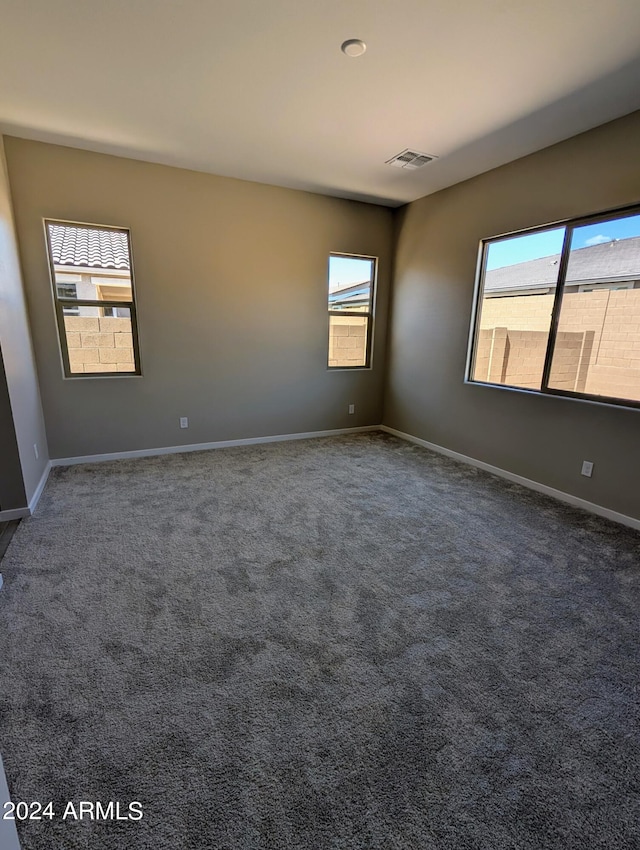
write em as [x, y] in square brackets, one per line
[7, 530]
[338, 643]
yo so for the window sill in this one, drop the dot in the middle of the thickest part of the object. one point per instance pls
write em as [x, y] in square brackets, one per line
[623, 405]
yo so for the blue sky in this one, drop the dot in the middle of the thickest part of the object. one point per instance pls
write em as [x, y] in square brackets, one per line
[521, 248]
[592, 234]
[344, 271]
[518, 249]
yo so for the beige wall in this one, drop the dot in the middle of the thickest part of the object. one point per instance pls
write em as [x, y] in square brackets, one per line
[19, 367]
[541, 438]
[104, 344]
[231, 281]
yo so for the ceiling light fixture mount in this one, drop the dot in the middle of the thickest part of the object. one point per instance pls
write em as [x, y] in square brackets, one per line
[353, 47]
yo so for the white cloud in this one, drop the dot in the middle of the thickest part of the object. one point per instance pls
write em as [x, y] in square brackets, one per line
[598, 240]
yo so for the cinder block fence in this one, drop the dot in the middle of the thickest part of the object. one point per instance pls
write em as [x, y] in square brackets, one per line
[597, 347]
[99, 344]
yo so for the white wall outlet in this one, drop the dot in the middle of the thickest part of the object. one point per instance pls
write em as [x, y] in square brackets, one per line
[35, 450]
[184, 422]
[587, 468]
[352, 408]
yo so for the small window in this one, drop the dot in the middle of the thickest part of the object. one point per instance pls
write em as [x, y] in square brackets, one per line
[558, 310]
[351, 299]
[93, 293]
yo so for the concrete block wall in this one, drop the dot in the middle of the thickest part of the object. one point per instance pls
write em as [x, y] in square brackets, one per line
[597, 349]
[525, 353]
[615, 365]
[572, 360]
[516, 358]
[520, 312]
[347, 340]
[97, 345]
[491, 355]
[614, 381]
[483, 354]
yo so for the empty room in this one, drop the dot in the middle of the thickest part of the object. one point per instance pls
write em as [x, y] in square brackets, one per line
[319, 425]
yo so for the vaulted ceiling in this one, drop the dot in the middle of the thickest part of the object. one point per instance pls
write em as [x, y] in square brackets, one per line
[259, 89]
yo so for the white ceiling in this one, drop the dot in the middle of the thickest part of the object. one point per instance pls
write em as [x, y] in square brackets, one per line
[259, 89]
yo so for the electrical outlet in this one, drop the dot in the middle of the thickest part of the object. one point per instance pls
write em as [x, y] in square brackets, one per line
[184, 422]
[352, 408]
[587, 468]
[35, 450]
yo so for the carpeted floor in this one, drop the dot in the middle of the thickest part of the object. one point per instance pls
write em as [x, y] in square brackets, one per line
[7, 530]
[339, 643]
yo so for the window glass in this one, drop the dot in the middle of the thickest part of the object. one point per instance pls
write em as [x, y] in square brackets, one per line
[93, 293]
[597, 347]
[350, 303]
[559, 310]
[515, 310]
[350, 283]
[347, 341]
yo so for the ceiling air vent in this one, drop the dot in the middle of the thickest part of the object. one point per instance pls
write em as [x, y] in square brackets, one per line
[410, 159]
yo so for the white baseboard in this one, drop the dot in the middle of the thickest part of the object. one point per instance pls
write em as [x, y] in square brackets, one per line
[20, 513]
[519, 479]
[201, 447]
[38, 491]
[14, 513]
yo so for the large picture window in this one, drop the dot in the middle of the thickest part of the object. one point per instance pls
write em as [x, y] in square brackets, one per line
[351, 298]
[92, 278]
[558, 310]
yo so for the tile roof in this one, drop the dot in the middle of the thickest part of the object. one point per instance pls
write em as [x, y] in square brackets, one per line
[617, 259]
[73, 245]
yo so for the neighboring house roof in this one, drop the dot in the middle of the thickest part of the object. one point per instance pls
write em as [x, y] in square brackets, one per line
[616, 260]
[357, 293]
[72, 245]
